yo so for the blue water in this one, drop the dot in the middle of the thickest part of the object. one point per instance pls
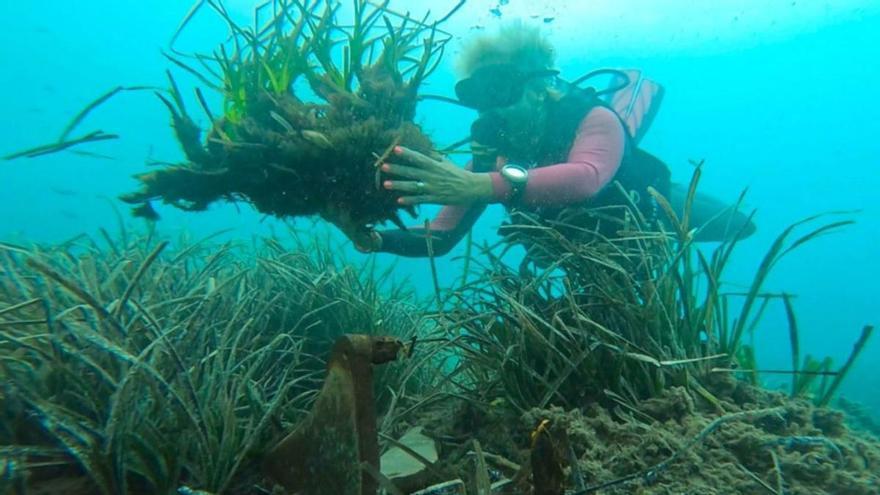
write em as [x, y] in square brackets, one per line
[779, 97]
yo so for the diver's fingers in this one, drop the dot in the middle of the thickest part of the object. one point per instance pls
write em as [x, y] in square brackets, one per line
[403, 171]
[405, 185]
[417, 200]
[415, 158]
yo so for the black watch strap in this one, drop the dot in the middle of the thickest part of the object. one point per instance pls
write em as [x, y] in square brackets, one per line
[517, 177]
[517, 189]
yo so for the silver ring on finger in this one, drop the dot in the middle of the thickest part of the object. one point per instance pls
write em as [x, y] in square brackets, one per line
[420, 185]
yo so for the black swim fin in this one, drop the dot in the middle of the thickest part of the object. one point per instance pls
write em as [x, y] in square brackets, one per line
[715, 220]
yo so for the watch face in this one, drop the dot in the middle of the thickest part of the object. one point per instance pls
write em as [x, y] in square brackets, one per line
[515, 173]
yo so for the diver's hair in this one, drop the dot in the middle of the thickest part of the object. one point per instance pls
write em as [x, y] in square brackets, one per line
[514, 43]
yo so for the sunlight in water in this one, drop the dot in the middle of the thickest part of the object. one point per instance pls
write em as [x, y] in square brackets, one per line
[659, 25]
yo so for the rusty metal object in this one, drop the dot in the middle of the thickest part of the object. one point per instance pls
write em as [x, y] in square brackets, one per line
[324, 452]
[548, 457]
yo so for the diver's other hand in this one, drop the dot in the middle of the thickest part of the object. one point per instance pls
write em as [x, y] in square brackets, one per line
[370, 242]
[423, 179]
[365, 239]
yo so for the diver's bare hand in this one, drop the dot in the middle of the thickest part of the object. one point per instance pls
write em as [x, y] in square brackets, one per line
[365, 239]
[429, 180]
[368, 243]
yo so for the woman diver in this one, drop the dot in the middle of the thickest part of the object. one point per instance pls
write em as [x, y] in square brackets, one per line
[540, 145]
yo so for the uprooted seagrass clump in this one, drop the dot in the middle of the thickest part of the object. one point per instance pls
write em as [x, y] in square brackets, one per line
[310, 106]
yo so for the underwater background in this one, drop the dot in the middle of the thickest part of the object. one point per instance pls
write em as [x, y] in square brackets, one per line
[779, 97]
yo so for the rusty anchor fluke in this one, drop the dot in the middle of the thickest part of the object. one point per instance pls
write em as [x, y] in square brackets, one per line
[325, 451]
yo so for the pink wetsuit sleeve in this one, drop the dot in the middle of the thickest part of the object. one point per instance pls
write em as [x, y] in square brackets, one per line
[592, 162]
[450, 217]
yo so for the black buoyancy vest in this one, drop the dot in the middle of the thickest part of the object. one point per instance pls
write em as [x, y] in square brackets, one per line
[638, 170]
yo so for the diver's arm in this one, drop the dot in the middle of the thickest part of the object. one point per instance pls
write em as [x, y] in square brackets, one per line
[447, 229]
[592, 162]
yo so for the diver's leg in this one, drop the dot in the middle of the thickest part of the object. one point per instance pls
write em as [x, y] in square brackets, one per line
[717, 221]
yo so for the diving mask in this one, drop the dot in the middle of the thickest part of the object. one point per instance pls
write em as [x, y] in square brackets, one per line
[496, 86]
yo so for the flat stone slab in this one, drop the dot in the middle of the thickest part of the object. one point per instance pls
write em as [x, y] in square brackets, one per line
[454, 487]
[397, 463]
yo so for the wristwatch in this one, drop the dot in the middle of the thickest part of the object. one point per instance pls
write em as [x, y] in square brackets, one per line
[517, 177]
